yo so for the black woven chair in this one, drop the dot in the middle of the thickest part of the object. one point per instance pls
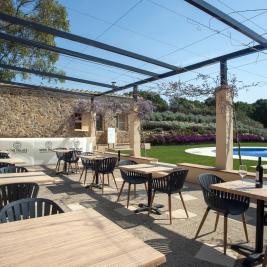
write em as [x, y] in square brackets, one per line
[125, 162]
[13, 192]
[87, 165]
[28, 208]
[171, 183]
[105, 167]
[4, 155]
[59, 157]
[132, 178]
[70, 158]
[221, 202]
[13, 169]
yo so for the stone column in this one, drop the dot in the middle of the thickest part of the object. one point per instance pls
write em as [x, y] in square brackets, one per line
[224, 129]
[134, 134]
[93, 128]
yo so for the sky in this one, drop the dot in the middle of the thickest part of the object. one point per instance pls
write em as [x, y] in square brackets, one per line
[172, 31]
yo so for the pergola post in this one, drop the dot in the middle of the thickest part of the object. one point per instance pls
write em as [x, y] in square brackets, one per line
[224, 123]
[134, 129]
[93, 124]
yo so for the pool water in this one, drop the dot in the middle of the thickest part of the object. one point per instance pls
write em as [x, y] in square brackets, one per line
[252, 151]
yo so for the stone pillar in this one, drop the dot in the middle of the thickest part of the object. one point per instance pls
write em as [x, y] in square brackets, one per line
[134, 134]
[93, 128]
[224, 129]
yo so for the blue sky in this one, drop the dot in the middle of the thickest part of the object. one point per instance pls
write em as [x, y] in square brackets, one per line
[170, 30]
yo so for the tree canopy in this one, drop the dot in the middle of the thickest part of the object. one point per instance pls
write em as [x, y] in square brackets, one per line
[48, 12]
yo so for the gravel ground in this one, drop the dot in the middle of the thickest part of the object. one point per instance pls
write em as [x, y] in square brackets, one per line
[176, 240]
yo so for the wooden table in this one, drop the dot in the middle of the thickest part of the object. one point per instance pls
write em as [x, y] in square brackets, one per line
[246, 188]
[77, 238]
[152, 171]
[26, 177]
[12, 161]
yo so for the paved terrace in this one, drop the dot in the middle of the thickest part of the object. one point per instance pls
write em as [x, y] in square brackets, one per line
[176, 240]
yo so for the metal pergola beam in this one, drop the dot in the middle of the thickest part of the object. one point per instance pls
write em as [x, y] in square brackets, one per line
[83, 40]
[228, 20]
[54, 75]
[72, 53]
[195, 66]
[45, 88]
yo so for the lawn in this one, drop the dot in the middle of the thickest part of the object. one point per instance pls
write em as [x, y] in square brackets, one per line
[177, 154]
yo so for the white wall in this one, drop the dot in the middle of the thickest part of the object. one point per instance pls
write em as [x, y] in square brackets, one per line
[36, 151]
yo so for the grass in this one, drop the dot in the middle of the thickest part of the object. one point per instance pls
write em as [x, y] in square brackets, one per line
[176, 154]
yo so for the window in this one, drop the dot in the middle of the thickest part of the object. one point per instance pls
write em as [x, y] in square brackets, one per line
[122, 122]
[99, 122]
[78, 121]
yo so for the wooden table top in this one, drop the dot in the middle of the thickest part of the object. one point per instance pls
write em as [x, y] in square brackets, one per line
[26, 177]
[77, 238]
[146, 168]
[12, 161]
[62, 150]
[120, 149]
[93, 157]
[246, 188]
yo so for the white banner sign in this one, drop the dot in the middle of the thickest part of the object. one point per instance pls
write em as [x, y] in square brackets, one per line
[111, 136]
[37, 151]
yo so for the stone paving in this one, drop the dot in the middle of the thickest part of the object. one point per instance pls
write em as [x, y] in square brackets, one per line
[176, 240]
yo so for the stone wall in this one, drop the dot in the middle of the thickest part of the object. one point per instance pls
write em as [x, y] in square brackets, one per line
[42, 113]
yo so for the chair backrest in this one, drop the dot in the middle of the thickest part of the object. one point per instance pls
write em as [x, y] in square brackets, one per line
[205, 180]
[71, 156]
[13, 169]
[60, 154]
[125, 162]
[4, 155]
[28, 208]
[13, 192]
[171, 183]
[89, 164]
[107, 165]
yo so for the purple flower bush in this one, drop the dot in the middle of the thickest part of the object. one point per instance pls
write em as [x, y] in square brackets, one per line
[196, 139]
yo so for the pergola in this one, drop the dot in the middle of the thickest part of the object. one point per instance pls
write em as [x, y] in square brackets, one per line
[224, 120]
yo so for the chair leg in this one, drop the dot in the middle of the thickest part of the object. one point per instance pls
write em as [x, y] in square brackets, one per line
[135, 190]
[93, 178]
[245, 226]
[264, 263]
[85, 176]
[181, 196]
[146, 187]
[115, 181]
[108, 180]
[81, 174]
[202, 222]
[216, 221]
[57, 166]
[103, 183]
[128, 197]
[119, 195]
[170, 207]
[225, 234]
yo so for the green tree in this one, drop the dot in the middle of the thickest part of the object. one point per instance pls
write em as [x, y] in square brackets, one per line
[260, 111]
[48, 12]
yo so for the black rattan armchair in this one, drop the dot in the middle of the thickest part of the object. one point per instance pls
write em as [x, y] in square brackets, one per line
[28, 208]
[17, 191]
[132, 178]
[105, 167]
[71, 157]
[170, 184]
[59, 157]
[221, 202]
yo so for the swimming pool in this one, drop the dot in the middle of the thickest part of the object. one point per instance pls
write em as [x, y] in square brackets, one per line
[249, 153]
[252, 151]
